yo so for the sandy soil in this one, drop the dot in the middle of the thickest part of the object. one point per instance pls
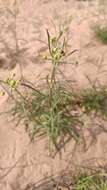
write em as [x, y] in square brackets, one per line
[22, 163]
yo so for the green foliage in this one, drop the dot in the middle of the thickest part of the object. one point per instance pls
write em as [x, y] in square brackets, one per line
[44, 114]
[91, 182]
[47, 110]
[95, 100]
[101, 34]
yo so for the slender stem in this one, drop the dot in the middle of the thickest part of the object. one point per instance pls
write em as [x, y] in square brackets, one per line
[32, 88]
[49, 43]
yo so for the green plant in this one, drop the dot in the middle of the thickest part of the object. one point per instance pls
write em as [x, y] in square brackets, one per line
[101, 34]
[47, 110]
[95, 100]
[91, 182]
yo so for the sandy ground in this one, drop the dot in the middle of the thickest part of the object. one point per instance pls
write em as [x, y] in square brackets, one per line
[22, 163]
